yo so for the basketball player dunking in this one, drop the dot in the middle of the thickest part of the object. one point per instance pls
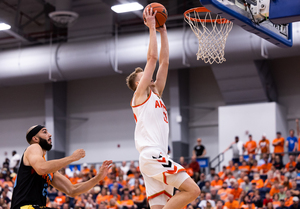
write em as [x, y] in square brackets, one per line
[160, 173]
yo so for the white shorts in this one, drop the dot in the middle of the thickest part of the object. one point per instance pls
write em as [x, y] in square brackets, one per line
[161, 175]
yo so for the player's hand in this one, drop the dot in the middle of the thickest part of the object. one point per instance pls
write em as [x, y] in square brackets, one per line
[162, 28]
[78, 154]
[149, 16]
[297, 120]
[104, 169]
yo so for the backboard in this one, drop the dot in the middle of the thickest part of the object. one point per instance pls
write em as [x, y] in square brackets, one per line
[253, 16]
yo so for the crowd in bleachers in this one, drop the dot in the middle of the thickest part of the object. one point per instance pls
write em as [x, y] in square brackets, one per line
[250, 181]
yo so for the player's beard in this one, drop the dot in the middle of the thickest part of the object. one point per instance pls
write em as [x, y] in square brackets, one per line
[44, 144]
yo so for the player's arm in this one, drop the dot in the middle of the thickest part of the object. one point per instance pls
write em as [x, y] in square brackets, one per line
[63, 184]
[141, 93]
[162, 72]
[34, 158]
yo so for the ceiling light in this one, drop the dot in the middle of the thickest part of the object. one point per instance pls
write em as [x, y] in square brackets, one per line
[4, 26]
[127, 7]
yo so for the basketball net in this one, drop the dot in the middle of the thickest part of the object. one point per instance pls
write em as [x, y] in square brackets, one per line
[211, 32]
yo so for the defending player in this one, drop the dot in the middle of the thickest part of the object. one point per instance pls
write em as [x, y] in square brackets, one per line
[36, 174]
[160, 173]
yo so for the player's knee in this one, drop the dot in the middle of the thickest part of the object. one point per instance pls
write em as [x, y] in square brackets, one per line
[194, 191]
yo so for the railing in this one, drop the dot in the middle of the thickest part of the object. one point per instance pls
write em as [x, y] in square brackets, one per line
[219, 158]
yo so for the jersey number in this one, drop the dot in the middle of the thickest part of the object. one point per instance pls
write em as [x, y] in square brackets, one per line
[165, 117]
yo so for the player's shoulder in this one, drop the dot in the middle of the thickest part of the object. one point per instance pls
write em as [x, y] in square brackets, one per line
[34, 148]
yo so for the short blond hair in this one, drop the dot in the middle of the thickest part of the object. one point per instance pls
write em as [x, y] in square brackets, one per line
[130, 80]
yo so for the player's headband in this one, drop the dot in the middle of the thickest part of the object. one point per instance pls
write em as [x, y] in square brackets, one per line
[33, 132]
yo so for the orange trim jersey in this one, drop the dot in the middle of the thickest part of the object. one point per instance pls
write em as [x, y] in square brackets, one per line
[152, 124]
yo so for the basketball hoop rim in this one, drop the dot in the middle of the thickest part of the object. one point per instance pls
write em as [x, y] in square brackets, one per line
[200, 10]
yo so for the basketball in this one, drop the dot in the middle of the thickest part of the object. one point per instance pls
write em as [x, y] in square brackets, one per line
[161, 15]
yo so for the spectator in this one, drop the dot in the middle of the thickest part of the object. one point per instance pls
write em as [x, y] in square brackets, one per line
[203, 203]
[182, 162]
[224, 191]
[5, 199]
[195, 166]
[291, 173]
[199, 149]
[250, 146]
[8, 191]
[281, 193]
[295, 204]
[201, 182]
[246, 185]
[286, 183]
[136, 176]
[258, 181]
[68, 172]
[217, 182]
[214, 196]
[126, 201]
[114, 194]
[236, 173]
[245, 167]
[232, 203]
[103, 196]
[254, 168]
[124, 168]
[93, 170]
[138, 198]
[209, 206]
[270, 205]
[75, 170]
[5, 164]
[222, 172]
[278, 163]
[220, 204]
[60, 199]
[294, 190]
[256, 199]
[241, 178]
[89, 203]
[251, 159]
[210, 176]
[206, 187]
[15, 161]
[266, 167]
[282, 204]
[289, 199]
[236, 191]
[237, 149]
[267, 200]
[275, 189]
[264, 145]
[112, 204]
[290, 163]
[249, 205]
[291, 142]
[276, 202]
[278, 144]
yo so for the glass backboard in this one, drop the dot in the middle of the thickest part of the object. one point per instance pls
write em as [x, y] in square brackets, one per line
[253, 16]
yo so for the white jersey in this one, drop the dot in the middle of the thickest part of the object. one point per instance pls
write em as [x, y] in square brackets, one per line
[152, 124]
